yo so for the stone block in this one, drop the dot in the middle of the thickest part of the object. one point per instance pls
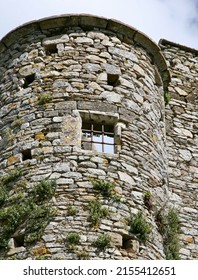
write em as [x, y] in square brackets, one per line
[16, 251]
[65, 105]
[111, 97]
[181, 91]
[88, 22]
[39, 136]
[97, 106]
[126, 178]
[14, 159]
[61, 167]
[97, 35]
[57, 119]
[97, 172]
[112, 69]
[84, 41]
[138, 70]
[185, 252]
[71, 129]
[123, 53]
[118, 27]
[92, 67]
[63, 181]
[26, 70]
[54, 40]
[20, 32]
[60, 22]
[95, 59]
[2, 47]
[130, 168]
[185, 154]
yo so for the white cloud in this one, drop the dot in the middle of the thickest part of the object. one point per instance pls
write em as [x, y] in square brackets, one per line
[175, 20]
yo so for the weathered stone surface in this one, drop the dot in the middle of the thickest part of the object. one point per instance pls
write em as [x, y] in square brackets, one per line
[111, 97]
[65, 105]
[14, 159]
[111, 69]
[126, 178]
[26, 70]
[84, 40]
[116, 239]
[122, 53]
[91, 67]
[71, 129]
[185, 154]
[73, 59]
[181, 91]
[138, 70]
[56, 40]
[61, 167]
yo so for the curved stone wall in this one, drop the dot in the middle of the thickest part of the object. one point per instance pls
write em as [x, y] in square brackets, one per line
[56, 75]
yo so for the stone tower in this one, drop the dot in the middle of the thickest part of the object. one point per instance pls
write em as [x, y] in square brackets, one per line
[83, 148]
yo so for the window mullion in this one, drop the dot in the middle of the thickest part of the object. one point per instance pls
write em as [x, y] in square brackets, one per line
[103, 138]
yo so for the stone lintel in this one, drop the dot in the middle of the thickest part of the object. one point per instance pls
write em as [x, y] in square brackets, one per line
[96, 106]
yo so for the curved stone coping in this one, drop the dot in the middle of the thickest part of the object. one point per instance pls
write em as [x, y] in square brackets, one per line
[88, 22]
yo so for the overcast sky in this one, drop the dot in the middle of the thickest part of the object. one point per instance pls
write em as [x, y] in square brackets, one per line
[174, 20]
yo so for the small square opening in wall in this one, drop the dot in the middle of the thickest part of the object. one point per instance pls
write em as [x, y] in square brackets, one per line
[28, 80]
[98, 137]
[112, 79]
[19, 240]
[26, 154]
[50, 49]
[126, 242]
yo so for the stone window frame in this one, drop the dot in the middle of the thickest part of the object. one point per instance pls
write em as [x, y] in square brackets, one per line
[107, 119]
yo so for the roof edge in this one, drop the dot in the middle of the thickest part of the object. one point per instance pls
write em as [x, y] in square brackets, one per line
[164, 42]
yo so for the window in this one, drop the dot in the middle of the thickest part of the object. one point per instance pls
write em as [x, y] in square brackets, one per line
[98, 137]
[101, 131]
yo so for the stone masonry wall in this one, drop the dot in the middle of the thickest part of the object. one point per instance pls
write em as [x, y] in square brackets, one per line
[63, 72]
[182, 140]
